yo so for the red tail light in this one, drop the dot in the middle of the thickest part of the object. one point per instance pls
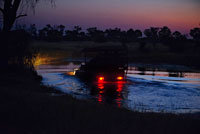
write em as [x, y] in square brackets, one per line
[119, 78]
[101, 78]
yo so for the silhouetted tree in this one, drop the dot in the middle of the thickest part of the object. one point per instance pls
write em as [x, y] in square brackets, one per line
[177, 35]
[42, 34]
[61, 29]
[195, 33]
[77, 29]
[124, 38]
[50, 33]
[33, 31]
[95, 34]
[113, 34]
[14, 48]
[130, 34]
[91, 32]
[83, 36]
[164, 34]
[133, 35]
[138, 34]
[152, 33]
[74, 35]
[10, 8]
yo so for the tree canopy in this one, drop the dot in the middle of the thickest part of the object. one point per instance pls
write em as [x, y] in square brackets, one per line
[13, 9]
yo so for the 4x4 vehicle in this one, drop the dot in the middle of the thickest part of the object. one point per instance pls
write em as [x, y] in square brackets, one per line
[108, 64]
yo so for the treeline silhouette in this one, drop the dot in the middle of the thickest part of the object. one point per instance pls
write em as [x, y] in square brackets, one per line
[153, 34]
[175, 41]
[15, 44]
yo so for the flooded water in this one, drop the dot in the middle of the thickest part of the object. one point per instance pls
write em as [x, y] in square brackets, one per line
[154, 90]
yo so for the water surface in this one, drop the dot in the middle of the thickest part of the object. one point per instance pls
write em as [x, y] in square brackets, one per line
[146, 89]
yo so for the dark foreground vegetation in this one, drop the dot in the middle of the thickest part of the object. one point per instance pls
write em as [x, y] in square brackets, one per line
[28, 107]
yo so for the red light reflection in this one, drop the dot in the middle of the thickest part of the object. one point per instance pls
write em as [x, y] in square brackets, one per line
[100, 98]
[120, 86]
[101, 91]
[117, 88]
[119, 95]
[100, 86]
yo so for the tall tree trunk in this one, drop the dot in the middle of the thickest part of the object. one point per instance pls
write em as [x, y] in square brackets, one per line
[10, 13]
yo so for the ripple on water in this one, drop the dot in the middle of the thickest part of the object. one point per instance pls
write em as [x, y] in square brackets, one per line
[148, 91]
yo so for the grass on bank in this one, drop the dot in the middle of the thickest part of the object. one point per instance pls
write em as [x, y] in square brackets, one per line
[150, 54]
[27, 107]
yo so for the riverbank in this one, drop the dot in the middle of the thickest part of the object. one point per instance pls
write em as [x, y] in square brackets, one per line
[148, 54]
[28, 107]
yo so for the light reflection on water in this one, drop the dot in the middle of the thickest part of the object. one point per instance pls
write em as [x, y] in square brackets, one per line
[144, 90]
[110, 92]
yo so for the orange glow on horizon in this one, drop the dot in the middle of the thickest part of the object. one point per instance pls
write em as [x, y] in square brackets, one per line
[177, 15]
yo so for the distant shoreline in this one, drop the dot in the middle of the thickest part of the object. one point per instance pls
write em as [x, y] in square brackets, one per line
[151, 55]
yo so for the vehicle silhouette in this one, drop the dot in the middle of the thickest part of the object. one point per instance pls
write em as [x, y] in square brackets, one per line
[109, 64]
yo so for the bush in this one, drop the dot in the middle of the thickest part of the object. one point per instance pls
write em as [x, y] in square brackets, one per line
[15, 52]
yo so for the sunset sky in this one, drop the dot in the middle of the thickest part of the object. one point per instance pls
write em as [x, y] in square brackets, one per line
[179, 15]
